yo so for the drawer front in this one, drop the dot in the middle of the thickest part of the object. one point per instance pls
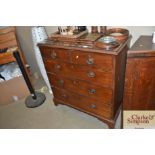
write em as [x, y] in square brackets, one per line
[89, 74]
[92, 59]
[81, 87]
[83, 103]
[55, 53]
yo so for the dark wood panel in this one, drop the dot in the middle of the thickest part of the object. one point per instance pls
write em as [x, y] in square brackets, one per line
[139, 91]
[120, 66]
[139, 101]
[130, 75]
[140, 84]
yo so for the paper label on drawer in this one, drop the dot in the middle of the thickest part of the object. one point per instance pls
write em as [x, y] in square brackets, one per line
[139, 119]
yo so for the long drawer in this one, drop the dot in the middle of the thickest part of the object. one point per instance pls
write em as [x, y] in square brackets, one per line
[81, 87]
[83, 103]
[84, 72]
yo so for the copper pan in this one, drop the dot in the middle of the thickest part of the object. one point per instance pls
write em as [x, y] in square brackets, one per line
[119, 34]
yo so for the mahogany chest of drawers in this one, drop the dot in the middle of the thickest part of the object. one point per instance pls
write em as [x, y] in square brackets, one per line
[139, 91]
[86, 78]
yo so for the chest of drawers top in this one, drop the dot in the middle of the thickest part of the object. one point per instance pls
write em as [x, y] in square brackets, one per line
[85, 47]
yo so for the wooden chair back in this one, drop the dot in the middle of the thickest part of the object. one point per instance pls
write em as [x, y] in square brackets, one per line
[8, 39]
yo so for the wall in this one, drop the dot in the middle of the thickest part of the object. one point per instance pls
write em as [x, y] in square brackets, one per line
[25, 38]
[136, 31]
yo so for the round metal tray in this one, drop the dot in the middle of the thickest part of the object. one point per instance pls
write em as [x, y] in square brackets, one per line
[107, 39]
[107, 43]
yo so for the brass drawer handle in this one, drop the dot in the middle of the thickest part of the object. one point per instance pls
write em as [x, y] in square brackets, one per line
[91, 74]
[60, 82]
[92, 91]
[93, 106]
[53, 55]
[75, 82]
[64, 96]
[90, 60]
[57, 67]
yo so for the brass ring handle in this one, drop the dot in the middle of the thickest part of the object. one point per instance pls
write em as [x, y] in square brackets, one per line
[60, 82]
[93, 106]
[90, 61]
[53, 55]
[92, 91]
[75, 82]
[64, 96]
[91, 74]
[57, 67]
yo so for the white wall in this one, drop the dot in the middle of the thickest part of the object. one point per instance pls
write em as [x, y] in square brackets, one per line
[136, 31]
[25, 38]
[51, 29]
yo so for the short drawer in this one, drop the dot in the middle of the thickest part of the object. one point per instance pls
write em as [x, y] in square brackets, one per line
[55, 53]
[97, 60]
[83, 103]
[81, 87]
[86, 73]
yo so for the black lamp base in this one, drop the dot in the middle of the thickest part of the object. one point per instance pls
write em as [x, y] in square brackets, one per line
[32, 103]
